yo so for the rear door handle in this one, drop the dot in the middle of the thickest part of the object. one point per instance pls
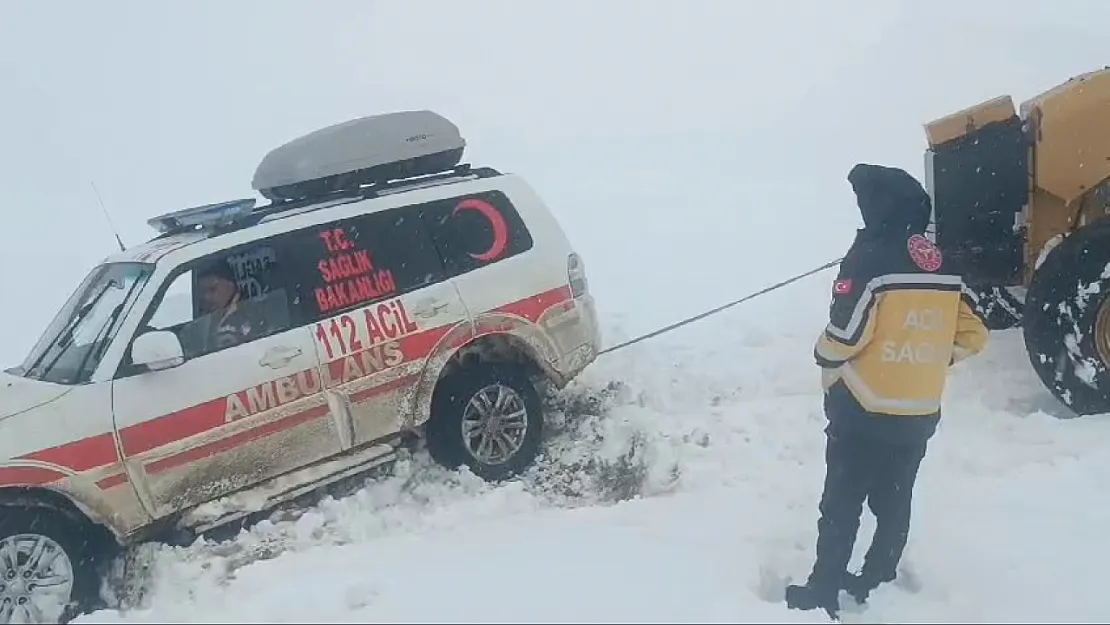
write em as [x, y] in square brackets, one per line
[429, 307]
[278, 357]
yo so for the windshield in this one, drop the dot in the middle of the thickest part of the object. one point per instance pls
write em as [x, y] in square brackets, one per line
[71, 348]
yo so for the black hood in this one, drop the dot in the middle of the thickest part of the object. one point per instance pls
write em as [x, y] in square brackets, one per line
[890, 200]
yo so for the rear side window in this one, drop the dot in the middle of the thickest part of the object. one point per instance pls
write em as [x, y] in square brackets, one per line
[361, 260]
[475, 230]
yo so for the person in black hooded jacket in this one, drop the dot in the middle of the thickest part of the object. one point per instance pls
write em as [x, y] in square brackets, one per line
[898, 319]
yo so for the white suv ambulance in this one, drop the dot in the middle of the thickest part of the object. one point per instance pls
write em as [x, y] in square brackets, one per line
[249, 354]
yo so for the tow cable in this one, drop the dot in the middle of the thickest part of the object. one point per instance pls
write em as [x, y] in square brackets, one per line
[713, 311]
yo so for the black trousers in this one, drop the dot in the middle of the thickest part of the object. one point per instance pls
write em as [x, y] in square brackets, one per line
[859, 468]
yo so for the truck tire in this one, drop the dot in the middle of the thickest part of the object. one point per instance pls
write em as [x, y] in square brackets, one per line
[1067, 321]
[48, 568]
[487, 417]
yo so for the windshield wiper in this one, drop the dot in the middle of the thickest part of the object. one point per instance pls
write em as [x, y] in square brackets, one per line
[65, 337]
[98, 344]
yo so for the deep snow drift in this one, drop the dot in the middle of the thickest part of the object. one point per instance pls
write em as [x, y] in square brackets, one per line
[684, 496]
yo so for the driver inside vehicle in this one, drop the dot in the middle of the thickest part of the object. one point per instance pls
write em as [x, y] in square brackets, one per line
[228, 319]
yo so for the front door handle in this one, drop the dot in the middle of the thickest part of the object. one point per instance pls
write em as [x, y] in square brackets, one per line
[278, 357]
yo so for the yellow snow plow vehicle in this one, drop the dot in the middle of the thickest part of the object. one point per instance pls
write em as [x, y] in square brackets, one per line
[1021, 199]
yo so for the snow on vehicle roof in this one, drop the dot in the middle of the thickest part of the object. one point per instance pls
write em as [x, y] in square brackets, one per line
[156, 248]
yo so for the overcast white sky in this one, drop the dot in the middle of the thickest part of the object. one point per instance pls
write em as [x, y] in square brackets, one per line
[730, 106]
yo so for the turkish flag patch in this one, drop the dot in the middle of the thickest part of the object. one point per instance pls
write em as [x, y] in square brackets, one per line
[842, 287]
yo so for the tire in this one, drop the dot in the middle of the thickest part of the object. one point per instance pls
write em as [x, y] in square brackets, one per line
[455, 407]
[999, 308]
[73, 565]
[1061, 321]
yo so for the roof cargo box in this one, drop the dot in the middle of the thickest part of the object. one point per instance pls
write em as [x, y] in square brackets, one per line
[360, 152]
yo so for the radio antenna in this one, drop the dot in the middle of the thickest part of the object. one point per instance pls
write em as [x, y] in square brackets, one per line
[108, 216]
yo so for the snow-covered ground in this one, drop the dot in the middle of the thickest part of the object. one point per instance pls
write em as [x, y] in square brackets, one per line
[686, 496]
[694, 152]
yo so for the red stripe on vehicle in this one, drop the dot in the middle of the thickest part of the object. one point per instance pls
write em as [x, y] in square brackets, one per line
[267, 429]
[177, 426]
[382, 389]
[225, 444]
[112, 481]
[143, 437]
[99, 451]
[532, 308]
[28, 476]
[421, 345]
[87, 453]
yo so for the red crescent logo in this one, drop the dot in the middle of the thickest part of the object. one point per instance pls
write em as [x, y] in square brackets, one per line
[496, 221]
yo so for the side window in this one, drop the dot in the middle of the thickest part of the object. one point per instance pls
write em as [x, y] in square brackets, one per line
[364, 259]
[176, 308]
[476, 230]
[230, 298]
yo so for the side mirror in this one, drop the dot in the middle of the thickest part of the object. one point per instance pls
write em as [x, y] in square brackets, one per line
[157, 350]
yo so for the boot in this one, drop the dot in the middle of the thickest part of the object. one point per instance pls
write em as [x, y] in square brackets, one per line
[812, 597]
[860, 585]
